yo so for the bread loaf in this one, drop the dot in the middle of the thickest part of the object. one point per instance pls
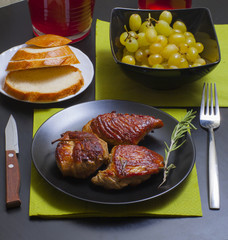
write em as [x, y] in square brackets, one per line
[42, 71]
[44, 84]
[48, 40]
[40, 63]
[36, 57]
[33, 52]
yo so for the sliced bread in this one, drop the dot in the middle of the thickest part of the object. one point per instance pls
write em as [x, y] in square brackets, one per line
[33, 52]
[44, 84]
[40, 63]
[48, 40]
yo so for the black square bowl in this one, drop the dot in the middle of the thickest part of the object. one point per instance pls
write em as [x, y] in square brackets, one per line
[197, 20]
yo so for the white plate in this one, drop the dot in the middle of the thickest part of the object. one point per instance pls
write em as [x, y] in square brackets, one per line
[85, 66]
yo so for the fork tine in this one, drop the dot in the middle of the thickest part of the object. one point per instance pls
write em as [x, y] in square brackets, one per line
[216, 101]
[207, 104]
[212, 107]
[202, 101]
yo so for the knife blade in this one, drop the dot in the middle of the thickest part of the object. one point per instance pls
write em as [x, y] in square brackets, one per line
[12, 165]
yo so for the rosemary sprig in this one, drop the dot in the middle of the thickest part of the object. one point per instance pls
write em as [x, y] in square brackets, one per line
[178, 133]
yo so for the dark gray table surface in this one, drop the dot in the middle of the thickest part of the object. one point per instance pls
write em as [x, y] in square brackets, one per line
[15, 29]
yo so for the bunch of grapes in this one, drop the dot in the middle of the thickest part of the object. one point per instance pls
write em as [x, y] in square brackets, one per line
[154, 43]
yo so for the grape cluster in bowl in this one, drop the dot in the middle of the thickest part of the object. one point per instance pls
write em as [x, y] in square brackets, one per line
[154, 43]
[164, 49]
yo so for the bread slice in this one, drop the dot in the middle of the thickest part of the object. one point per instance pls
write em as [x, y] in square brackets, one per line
[33, 52]
[40, 63]
[48, 40]
[44, 84]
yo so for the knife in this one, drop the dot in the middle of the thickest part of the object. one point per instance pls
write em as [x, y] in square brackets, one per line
[12, 166]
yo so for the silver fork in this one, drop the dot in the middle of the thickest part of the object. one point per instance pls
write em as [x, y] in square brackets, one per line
[210, 119]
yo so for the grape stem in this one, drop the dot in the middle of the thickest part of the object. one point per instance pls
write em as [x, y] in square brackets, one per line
[129, 36]
[150, 19]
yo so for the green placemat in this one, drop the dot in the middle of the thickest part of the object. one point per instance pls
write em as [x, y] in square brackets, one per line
[112, 83]
[47, 202]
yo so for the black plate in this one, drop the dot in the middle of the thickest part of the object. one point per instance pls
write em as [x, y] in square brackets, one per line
[74, 118]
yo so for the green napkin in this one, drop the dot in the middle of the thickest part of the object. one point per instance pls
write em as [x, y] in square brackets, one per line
[47, 202]
[112, 83]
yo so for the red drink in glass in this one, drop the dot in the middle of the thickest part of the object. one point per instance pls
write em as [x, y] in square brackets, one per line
[68, 18]
[164, 4]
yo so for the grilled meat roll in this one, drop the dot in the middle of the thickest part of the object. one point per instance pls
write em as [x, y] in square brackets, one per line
[117, 128]
[79, 154]
[129, 165]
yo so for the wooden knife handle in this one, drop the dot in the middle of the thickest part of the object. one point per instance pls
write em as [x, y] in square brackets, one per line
[12, 180]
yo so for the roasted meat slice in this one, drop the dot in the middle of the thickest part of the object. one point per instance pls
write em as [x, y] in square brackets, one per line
[129, 165]
[79, 154]
[118, 128]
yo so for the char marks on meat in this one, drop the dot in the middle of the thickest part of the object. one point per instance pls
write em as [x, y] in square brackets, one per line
[117, 128]
[129, 165]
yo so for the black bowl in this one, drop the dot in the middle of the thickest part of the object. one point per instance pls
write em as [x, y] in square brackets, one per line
[197, 20]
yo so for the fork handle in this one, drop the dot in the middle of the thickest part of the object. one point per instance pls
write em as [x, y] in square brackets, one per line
[214, 196]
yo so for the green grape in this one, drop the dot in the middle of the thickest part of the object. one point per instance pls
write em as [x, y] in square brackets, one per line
[173, 67]
[188, 34]
[163, 40]
[145, 61]
[192, 54]
[196, 65]
[166, 16]
[183, 48]
[199, 46]
[142, 40]
[183, 63]
[191, 41]
[145, 25]
[155, 48]
[177, 38]
[174, 59]
[133, 34]
[123, 38]
[159, 66]
[165, 64]
[144, 65]
[163, 28]
[132, 44]
[139, 55]
[117, 42]
[155, 59]
[151, 35]
[176, 31]
[126, 52]
[200, 61]
[135, 22]
[146, 52]
[180, 25]
[159, 46]
[169, 50]
[128, 59]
